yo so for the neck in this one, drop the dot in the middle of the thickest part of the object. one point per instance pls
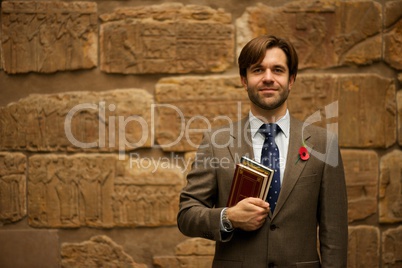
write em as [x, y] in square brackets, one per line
[269, 116]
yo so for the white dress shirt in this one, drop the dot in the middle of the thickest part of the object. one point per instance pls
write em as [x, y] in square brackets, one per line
[281, 139]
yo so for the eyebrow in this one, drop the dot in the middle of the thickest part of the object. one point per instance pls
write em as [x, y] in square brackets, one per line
[259, 65]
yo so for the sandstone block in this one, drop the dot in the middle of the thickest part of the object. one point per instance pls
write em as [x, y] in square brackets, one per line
[392, 247]
[348, 99]
[393, 34]
[188, 106]
[194, 252]
[363, 247]
[99, 251]
[399, 105]
[48, 36]
[361, 171]
[390, 202]
[12, 187]
[325, 33]
[166, 38]
[116, 120]
[98, 190]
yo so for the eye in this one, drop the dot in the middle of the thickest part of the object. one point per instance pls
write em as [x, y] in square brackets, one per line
[256, 70]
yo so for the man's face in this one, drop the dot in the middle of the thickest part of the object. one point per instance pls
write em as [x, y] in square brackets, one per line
[267, 83]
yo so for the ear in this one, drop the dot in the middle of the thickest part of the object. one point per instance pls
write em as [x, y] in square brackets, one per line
[291, 81]
[244, 81]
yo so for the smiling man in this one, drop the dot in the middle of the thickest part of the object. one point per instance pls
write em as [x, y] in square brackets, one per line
[307, 197]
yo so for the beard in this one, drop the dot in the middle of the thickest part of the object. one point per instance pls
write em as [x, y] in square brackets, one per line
[271, 104]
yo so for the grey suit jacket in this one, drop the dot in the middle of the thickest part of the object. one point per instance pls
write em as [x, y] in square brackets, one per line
[312, 203]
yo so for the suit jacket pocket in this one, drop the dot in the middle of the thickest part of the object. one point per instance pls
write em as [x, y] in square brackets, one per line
[308, 264]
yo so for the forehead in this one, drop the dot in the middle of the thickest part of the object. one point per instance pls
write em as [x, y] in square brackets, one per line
[272, 57]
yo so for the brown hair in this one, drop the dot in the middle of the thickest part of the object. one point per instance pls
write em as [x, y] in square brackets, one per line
[254, 52]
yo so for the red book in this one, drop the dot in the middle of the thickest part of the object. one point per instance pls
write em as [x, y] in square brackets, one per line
[251, 179]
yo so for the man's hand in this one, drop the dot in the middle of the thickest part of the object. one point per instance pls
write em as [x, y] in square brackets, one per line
[249, 214]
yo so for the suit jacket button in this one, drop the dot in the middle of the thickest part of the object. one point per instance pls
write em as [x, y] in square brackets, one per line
[273, 227]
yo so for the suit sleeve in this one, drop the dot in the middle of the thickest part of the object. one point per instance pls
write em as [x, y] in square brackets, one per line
[333, 218]
[197, 216]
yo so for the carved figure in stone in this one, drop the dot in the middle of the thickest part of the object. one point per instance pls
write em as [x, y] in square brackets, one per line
[131, 203]
[91, 190]
[119, 211]
[18, 38]
[11, 188]
[8, 133]
[142, 207]
[67, 191]
[78, 27]
[38, 190]
[164, 199]
[49, 34]
[151, 203]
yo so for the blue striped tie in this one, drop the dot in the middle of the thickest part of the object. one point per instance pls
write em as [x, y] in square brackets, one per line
[270, 158]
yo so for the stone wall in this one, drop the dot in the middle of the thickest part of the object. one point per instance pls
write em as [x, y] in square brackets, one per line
[103, 103]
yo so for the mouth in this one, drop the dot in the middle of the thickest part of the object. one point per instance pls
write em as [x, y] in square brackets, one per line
[267, 90]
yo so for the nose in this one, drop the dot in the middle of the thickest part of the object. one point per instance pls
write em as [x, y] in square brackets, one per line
[268, 77]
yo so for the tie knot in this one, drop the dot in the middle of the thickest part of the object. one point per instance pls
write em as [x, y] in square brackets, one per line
[270, 130]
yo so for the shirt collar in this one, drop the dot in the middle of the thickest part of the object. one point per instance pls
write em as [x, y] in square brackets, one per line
[284, 124]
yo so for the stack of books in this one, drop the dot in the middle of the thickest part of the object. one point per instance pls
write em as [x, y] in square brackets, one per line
[251, 179]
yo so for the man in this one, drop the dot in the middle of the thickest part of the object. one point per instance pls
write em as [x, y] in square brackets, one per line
[306, 223]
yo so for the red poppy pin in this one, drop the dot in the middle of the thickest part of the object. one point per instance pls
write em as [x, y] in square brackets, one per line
[303, 153]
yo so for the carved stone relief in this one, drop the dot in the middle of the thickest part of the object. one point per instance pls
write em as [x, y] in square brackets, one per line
[98, 190]
[116, 120]
[325, 33]
[12, 187]
[99, 251]
[44, 36]
[187, 106]
[166, 38]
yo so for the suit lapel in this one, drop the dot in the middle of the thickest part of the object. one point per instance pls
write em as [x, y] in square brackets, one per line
[242, 146]
[242, 142]
[294, 166]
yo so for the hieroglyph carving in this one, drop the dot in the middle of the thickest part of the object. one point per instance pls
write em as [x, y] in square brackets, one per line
[99, 191]
[116, 120]
[167, 38]
[12, 187]
[46, 36]
[325, 33]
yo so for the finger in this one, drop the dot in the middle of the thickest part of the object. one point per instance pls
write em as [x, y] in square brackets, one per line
[258, 202]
